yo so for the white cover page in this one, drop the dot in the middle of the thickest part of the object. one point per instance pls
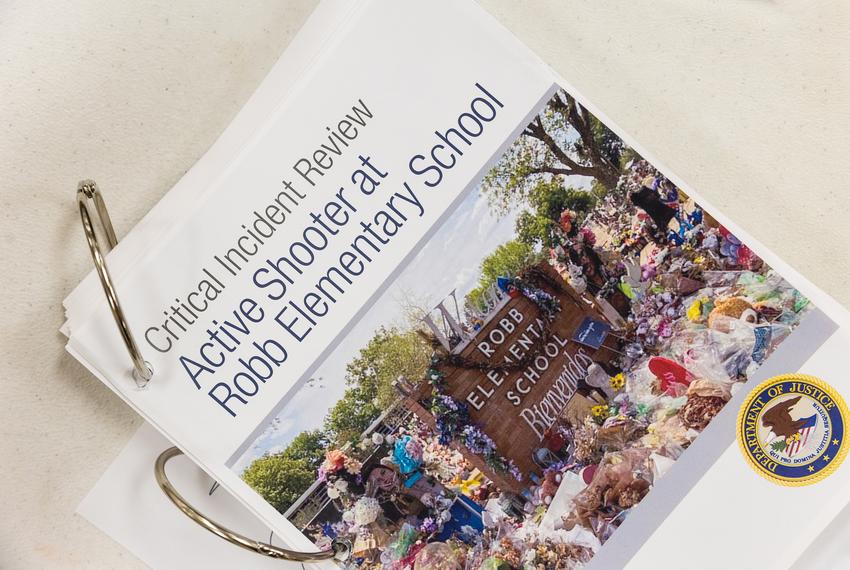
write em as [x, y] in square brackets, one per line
[439, 307]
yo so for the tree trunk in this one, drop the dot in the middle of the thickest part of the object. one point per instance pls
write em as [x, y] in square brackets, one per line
[606, 175]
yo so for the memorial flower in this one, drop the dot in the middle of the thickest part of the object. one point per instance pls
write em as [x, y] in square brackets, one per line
[352, 466]
[618, 382]
[587, 236]
[428, 526]
[366, 511]
[334, 461]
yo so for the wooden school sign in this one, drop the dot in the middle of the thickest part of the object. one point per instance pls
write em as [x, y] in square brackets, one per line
[515, 405]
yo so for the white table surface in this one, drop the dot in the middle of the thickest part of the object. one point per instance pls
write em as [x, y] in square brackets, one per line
[747, 100]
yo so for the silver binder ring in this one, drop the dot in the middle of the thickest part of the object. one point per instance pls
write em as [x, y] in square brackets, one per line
[339, 550]
[88, 193]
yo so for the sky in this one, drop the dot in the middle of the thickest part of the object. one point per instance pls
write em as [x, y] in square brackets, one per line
[451, 259]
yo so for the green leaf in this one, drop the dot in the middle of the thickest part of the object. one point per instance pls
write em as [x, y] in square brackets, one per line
[278, 480]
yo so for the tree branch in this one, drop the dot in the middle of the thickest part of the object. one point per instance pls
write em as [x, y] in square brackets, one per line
[538, 131]
[556, 104]
[552, 170]
[581, 121]
[577, 171]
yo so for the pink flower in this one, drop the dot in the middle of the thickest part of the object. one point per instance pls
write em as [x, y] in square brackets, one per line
[334, 461]
[588, 236]
[665, 328]
[566, 220]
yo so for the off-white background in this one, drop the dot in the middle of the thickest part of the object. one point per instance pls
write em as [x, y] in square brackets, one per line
[747, 100]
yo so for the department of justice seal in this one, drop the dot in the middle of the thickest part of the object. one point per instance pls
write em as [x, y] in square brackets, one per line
[791, 429]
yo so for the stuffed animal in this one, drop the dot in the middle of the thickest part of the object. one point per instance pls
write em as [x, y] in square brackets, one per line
[551, 481]
[636, 280]
[734, 308]
[599, 379]
[576, 280]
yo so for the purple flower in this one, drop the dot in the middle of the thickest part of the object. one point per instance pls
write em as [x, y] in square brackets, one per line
[428, 525]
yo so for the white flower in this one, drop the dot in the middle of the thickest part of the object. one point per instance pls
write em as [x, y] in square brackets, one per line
[348, 516]
[390, 439]
[446, 516]
[377, 438]
[333, 493]
[366, 511]
[341, 485]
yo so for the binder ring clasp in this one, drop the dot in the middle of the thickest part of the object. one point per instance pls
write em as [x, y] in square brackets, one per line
[87, 192]
[339, 550]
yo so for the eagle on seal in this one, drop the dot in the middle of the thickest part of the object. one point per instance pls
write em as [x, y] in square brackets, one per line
[778, 419]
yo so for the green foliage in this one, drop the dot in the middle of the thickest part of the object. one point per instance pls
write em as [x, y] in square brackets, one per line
[546, 201]
[510, 258]
[506, 185]
[779, 445]
[475, 298]
[599, 191]
[390, 353]
[279, 480]
[628, 155]
[351, 415]
[307, 446]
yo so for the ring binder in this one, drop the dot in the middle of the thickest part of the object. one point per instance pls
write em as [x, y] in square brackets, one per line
[339, 550]
[88, 192]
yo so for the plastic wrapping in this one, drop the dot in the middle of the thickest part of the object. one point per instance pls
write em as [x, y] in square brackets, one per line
[620, 482]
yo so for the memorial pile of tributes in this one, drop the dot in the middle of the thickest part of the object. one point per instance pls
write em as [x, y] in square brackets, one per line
[700, 311]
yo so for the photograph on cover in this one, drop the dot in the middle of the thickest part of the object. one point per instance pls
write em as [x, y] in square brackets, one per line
[540, 363]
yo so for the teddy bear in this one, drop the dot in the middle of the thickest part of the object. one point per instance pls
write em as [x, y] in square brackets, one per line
[733, 307]
[551, 482]
[575, 279]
